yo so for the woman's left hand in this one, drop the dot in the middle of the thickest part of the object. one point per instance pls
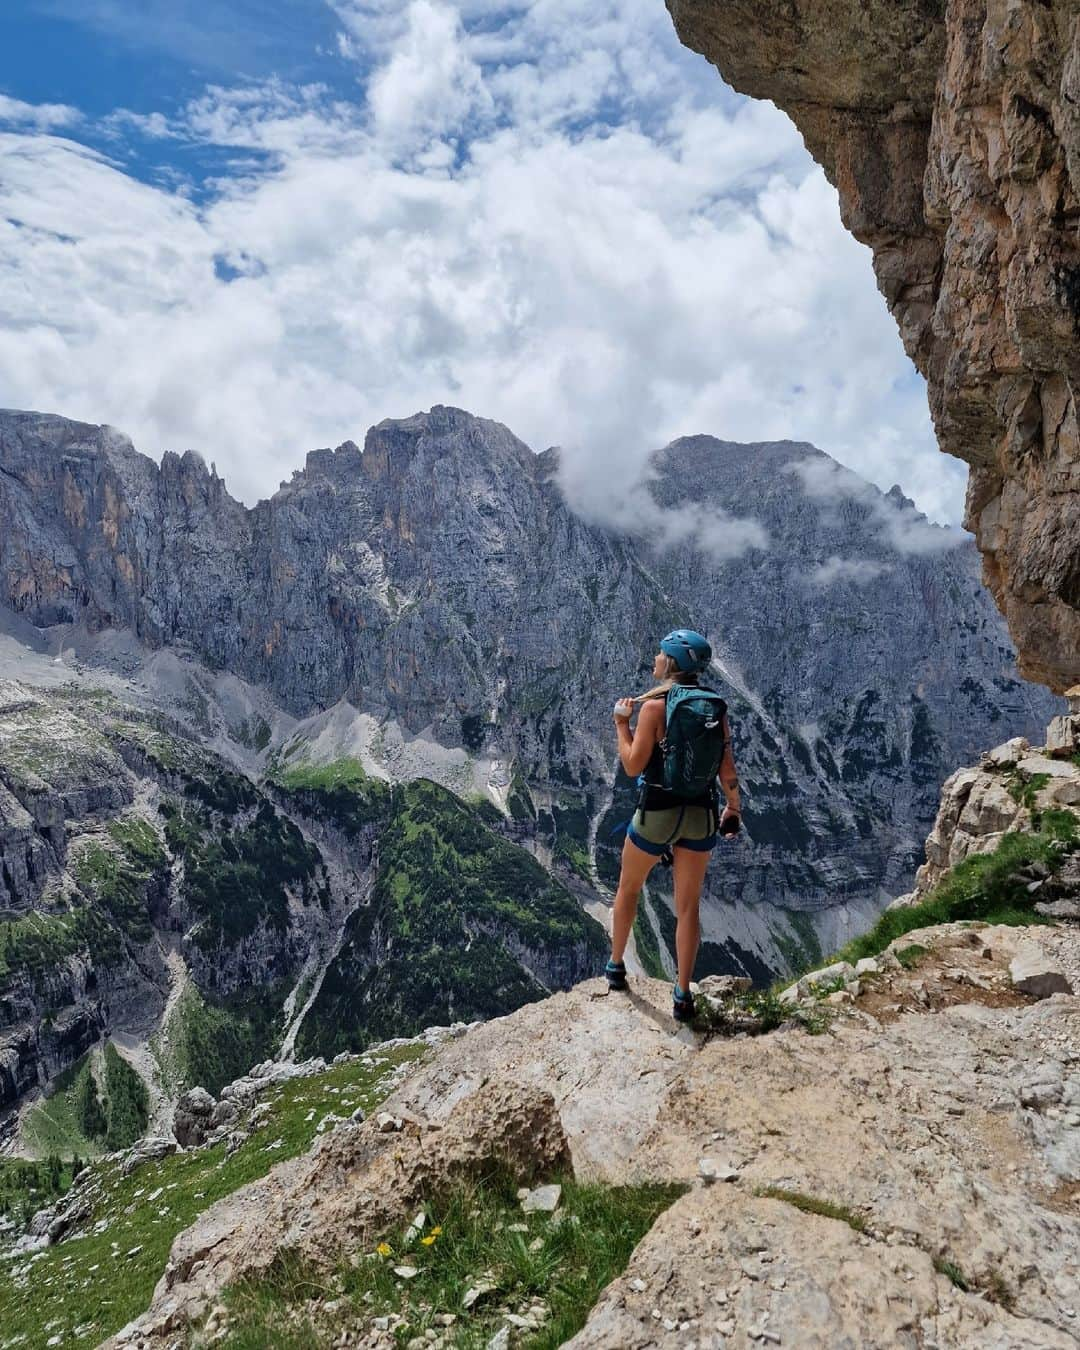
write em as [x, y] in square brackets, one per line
[624, 709]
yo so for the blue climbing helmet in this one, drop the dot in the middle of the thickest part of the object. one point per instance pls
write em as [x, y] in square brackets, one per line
[689, 650]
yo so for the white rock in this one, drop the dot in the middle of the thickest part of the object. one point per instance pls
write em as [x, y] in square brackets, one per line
[839, 970]
[477, 1292]
[501, 1340]
[725, 986]
[1063, 736]
[415, 1229]
[542, 1200]
[1005, 756]
[385, 1123]
[406, 1272]
[867, 966]
[1056, 768]
[710, 1170]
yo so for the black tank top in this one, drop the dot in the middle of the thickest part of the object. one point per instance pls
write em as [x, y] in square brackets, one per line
[656, 798]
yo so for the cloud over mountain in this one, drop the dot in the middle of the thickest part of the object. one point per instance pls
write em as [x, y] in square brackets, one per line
[554, 215]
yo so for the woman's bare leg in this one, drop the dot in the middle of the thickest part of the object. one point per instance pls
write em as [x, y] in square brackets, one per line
[636, 866]
[689, 869]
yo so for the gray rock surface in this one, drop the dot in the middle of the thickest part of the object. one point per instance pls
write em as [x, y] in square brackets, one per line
[939, 1146]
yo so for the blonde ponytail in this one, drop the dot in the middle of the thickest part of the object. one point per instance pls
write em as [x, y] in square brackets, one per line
[672, 678]
[654, 692]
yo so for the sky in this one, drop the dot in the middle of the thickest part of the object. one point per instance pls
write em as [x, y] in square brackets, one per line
[254, 227]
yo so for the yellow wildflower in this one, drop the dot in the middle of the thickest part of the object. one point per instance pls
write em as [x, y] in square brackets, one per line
[426, 1242]
[437, 1230]
[384, 1249]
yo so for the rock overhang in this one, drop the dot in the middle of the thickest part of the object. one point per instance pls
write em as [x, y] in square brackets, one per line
[950, 135]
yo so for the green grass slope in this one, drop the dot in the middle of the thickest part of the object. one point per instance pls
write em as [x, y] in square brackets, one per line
[461, 925]
[89, 1286]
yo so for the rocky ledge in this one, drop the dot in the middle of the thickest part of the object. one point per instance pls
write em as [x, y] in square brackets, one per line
[910, 1177]
[1010, 791]
[952, 132]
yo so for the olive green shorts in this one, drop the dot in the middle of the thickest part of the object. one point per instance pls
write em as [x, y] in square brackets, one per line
[692, 827]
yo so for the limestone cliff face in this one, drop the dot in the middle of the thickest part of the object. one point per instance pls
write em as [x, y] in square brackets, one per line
[952, 133]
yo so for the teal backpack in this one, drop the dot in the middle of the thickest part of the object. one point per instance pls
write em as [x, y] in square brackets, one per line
[693, 743]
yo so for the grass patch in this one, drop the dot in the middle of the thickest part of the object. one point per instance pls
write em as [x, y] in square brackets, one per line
[236, 879]
[812, 1204]
[36, 943]
[757, 1012]
[127, 1109]
[472, 1236]
[347, 772]
[79, 1116]
[1024, 788]
[910, 956]
[213, 1043]
[87, 1287]
[952, 1272]
[26, 1187]
[117, 873]
[53, 1125]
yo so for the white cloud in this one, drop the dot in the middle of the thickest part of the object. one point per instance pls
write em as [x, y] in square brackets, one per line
[902, 527]
[429, 87]
[856, 570]
[564, 222]
[39, 116]
[627, 505]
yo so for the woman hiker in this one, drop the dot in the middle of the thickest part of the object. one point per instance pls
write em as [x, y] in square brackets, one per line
[681, 744]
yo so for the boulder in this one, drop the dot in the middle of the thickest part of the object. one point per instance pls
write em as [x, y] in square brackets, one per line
[839, 970]
[1063, 737]
[151, 1149]
[354, 1186]
[1035, 973]
[725, 986]
[1006, 756]
[1059, 909]
[191, 1119]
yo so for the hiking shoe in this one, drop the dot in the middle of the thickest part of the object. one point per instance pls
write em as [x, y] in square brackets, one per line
[615, 974]
[682, 1005]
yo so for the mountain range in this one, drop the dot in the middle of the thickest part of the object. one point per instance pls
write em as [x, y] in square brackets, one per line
[354, 745]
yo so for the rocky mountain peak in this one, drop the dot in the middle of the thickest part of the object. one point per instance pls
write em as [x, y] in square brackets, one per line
[340, 465]
[444, 440]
